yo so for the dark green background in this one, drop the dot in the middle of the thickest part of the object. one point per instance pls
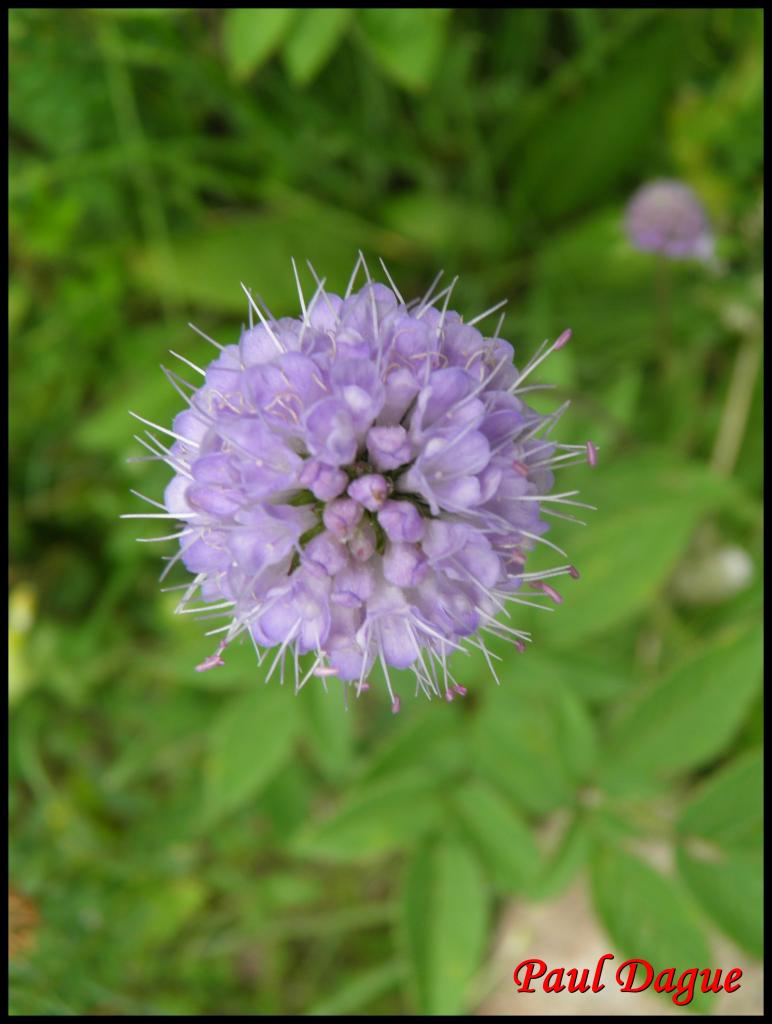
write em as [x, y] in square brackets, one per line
[198, 843]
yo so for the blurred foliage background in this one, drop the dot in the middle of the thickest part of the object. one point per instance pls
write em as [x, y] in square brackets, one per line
[193, 844]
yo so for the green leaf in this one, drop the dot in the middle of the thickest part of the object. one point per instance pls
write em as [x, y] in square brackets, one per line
[204, 267]
[719, 857]
[164, 910]
[443, 925]
[569, 289]
[535, 741]
[329, 728]
[593, 680]
[313, 38]
[139, 12]
[631, 544]
[647, 915]
[248, 743]
[728, 810]
[358, 991]
[730, 888]
[437, 222]
[406, 42]
[252, 34]
[505, 843]
[560, 868]
[430, 738]
[689, 718]
[371, 822]
[600, 132]
[285, 800]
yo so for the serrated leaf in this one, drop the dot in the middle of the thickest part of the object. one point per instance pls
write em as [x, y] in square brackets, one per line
[251, 34]
[406, 42]
[371, 822]
[729, 807]
[647, 915]
[443, 924]
[312, 40]
[247, 745]
[504, 841]
[689, 718]
[730, 888]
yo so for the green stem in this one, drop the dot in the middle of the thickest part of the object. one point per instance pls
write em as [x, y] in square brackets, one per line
[734, 417]
[668, 351]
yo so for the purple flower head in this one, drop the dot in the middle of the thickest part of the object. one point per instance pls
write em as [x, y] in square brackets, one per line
[667, 217]
[364, 484]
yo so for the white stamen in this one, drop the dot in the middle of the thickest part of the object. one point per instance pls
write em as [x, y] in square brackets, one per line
[206, 337]
[188, 362]
[263, 321]
[171, 433]
[482, 316]
[391, 282]
[300, 290]
[353, 277]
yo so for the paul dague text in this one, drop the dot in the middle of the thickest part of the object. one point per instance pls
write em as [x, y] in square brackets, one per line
[631, 976]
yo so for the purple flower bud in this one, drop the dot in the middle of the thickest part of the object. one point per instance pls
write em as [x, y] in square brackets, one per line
[388, 447]
[362, 542]
[354, 585]
[404, 565]
[324, 482]
[401, 389]
[359, 386]
[370, 490]
[330, 431]
[325, 555]
[401, 521]
[341, 516]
